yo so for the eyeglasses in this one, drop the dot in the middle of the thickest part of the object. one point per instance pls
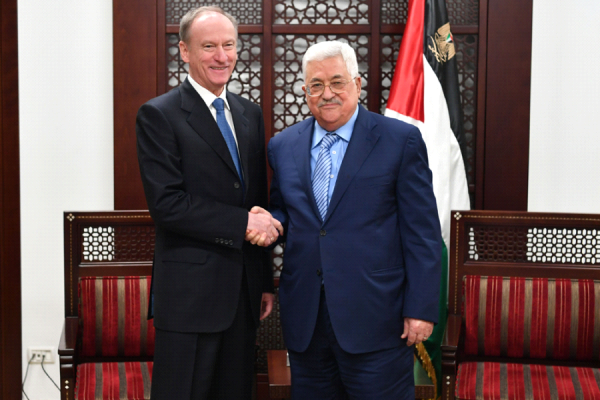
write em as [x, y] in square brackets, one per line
[338, 86]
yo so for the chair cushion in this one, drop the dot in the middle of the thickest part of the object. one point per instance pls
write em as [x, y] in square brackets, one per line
[532, 317]
[119, 381]
[489, 380]
[113, 316]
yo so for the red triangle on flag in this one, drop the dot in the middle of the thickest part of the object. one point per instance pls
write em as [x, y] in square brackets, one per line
[407, 90]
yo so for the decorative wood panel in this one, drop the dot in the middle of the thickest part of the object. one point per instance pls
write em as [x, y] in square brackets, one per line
[273, 34]
[277, 259]
[247, 12]
[106, 243]
[460, 12]
[390, 46]
[534, 243]
[269, 336]
[327, 12]
[394, 12]
[466, 57]
[463, 12]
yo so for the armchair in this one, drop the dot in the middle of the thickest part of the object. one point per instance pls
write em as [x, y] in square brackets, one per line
[524, 307]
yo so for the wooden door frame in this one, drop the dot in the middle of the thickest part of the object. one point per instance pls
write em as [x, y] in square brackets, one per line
[504, 153]
[10, 231]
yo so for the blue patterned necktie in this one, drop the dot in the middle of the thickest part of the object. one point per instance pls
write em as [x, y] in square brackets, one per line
[322, 174]
[219, 105]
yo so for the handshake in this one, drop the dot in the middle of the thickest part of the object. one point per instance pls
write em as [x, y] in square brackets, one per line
[263, 229]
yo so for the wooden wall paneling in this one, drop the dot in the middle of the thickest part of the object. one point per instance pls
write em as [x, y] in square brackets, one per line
[161, 47]
[508, 83]
[375, 52]
[267, 72]
[481, 87]
[502, 118]
[135, 82]
[10, 232]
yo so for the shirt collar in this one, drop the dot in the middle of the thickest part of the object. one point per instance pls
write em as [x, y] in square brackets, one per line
[206, 94]
[345, 131]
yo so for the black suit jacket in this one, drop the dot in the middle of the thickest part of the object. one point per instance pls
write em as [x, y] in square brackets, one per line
[201, 213]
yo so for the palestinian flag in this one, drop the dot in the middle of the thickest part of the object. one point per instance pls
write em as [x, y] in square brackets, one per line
[425, 93]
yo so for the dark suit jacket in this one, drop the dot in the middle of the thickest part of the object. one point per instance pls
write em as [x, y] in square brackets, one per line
[195, 198]
[378, 250]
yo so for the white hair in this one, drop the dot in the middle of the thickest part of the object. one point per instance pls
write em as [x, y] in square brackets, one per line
[324, 50]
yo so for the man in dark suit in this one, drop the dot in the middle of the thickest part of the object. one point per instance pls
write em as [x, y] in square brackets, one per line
[203, 166]
[361, 275]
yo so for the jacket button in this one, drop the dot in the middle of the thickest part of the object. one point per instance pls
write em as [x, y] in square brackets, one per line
[323, 232]
[236, 185]
[318, 272]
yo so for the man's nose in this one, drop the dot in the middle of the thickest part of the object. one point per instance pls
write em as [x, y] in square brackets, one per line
[328, 93]
[220, 54]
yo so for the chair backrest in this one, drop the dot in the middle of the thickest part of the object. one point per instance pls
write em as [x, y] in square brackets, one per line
[113, 317]
[542, 318]
[527, 284]
[111, 243]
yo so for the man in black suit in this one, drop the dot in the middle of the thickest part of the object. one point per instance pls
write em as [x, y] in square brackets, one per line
[202, 161]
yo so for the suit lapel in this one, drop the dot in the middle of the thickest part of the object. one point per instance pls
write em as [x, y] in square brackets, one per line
[202, 121]
[361, 144]
[301, 152]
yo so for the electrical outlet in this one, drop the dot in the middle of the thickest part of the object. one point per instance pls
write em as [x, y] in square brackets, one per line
[37, 354]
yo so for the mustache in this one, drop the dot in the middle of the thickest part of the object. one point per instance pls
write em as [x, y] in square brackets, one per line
[330, 101]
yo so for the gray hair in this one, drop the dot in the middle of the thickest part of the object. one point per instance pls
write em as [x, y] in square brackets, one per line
[333, 48]
[190, 16]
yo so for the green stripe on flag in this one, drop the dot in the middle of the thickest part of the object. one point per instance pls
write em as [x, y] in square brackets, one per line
[433, 344]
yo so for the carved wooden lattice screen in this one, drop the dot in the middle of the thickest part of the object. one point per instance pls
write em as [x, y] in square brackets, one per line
[274, 34]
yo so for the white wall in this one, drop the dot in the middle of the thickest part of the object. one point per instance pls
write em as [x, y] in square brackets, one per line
[564, 160]
[66, 140]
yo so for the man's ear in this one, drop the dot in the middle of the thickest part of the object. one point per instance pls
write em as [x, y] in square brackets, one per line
[183, 50]
[305, 92]
[358, 81]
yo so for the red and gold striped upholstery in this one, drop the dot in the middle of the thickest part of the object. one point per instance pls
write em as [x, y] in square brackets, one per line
[113, 314]
[113, 323]
[126, 380]
[542, 318]
[535, 318]
[490, 381]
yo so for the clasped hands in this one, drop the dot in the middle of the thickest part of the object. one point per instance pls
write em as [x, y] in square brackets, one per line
[263, 229]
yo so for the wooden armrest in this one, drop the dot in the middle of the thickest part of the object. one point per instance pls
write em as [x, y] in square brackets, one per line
[452, 333]
[68, 338]
[68, 358]
[450, 345]
[449, 348]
